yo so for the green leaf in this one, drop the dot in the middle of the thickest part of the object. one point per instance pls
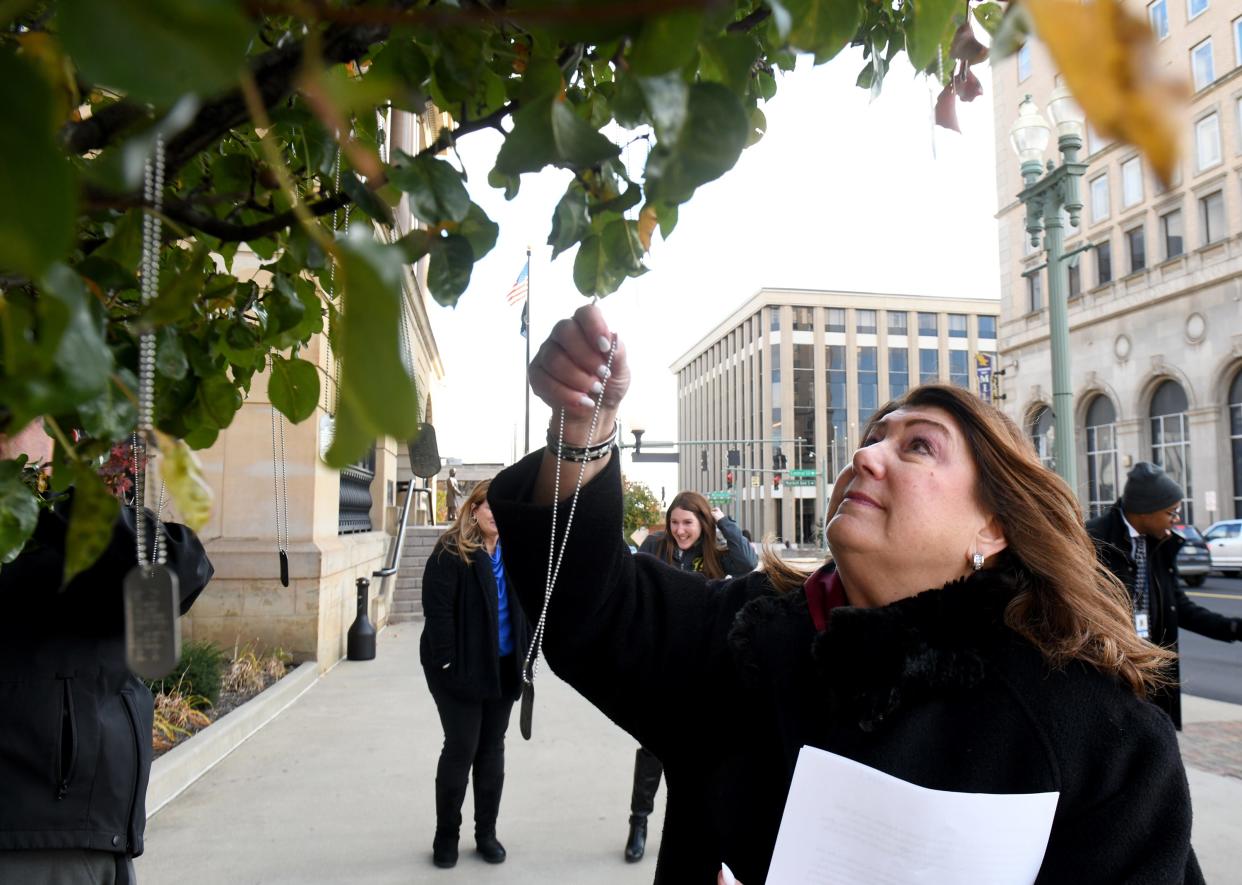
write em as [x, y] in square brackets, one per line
[294, 387]
[605, 260]
[729, 60]
[183, 476]
[436, 191]
[218, 400]
[285, 309]
[712, 139]
[823, 27]
[781, 18]
[157, 50]
[124, 246]
[508, 183]
[365, 199]
[112, 414]
[416, 244]
[667, 216]
[36, 185]
[479, 230]
[448, 271]
[402, 61]
[91, 516]
[668, 101]
[377, 394]
[569, 221]
[541, 81]
[531, 145]
[19, 510]
[577, 144]
[181, 288]
[989, 16]
[170, 360]
[83, 360]
[666, 42]
[628, 103]
[932, 18]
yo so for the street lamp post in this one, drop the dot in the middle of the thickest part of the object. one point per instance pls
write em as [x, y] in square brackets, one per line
[1045, 194]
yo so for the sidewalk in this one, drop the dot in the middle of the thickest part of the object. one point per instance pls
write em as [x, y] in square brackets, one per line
[338, 789]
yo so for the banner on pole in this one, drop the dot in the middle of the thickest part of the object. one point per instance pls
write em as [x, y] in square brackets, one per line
[983, 371]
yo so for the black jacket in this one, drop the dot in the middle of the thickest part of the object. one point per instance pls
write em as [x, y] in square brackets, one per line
[726, 680]
[738, 559]
[460, 645]
[1170, 608]
[75, 724]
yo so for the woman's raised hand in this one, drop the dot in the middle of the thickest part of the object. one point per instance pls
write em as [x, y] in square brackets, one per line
[571, 367]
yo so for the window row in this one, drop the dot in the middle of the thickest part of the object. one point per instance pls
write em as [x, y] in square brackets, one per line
[1169, 242]
[898, 322]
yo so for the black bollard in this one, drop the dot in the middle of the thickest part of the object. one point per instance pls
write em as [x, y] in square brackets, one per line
[360, 641]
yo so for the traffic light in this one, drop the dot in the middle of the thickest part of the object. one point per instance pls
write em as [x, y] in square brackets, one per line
[735, 458]
[729, 480]
[703, 461]
[776, 482]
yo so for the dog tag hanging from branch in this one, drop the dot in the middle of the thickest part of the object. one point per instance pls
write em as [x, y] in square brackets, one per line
[150, 591]
[526, 710]
[281, 485]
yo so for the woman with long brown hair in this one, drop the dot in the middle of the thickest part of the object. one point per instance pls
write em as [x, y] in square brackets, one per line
[689, 539]
[963, 638]
[474, 640]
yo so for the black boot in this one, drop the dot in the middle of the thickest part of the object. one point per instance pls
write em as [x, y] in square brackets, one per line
[636, 844]
[489, 847]
[444, 849]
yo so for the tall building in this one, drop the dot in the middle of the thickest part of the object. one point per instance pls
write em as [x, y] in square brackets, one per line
[773, 399]
[1155, 300]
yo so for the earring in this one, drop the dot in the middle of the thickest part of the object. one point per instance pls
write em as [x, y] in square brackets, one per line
[977, 561]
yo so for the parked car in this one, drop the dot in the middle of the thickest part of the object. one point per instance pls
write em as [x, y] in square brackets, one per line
[1224, 541]
[1193, 560]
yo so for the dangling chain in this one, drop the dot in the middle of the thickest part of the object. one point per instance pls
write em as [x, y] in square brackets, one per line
[280, 484]
[152, 230]
[554, 556]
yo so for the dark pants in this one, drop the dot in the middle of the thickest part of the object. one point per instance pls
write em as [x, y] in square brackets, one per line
[647, 771]
[65, 866]
[474, 737]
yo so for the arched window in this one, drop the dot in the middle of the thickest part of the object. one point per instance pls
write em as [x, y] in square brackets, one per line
[1235, 439]
[1101, 455]
[1170, 439]
[1043, 432]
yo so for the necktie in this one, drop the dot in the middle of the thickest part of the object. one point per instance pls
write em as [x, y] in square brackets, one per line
[1140, 575]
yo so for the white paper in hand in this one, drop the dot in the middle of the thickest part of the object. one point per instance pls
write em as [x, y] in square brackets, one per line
[847, 823]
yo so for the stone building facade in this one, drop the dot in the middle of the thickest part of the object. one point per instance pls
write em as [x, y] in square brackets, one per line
[1155, 301]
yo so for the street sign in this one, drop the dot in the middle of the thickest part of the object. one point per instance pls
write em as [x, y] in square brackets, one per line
[800, 481]
[719, 498]
[756, 481]
[803, 473]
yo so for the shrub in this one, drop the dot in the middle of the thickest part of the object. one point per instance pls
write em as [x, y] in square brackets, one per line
[248, 673]
[177, 715]
[197, 674]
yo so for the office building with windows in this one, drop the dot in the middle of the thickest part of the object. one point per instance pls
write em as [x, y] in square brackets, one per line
[1155, 300]
[772, 400]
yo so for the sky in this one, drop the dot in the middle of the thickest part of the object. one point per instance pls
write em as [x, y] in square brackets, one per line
[842, 192]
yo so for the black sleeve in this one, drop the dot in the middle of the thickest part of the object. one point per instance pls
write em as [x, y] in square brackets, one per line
[643, 641]
[1133, 814]
[441, 581]
[740, 557]
[1198, 619]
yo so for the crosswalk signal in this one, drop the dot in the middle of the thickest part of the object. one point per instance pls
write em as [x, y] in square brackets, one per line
[703, 461]
[729, 480]
[776, 482]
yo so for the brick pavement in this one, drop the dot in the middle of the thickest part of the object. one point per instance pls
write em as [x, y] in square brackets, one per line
[1214, 747]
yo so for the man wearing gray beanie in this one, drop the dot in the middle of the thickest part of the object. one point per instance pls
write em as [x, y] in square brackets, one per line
[1136, 542]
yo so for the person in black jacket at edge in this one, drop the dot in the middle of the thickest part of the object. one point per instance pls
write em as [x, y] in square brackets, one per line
[964, 638]
[688, 524]
[1136, 542]
[75, 724]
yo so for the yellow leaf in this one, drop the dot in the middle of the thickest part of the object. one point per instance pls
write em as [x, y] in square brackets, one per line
[183, 477]
[647, 222]
[1108, 59]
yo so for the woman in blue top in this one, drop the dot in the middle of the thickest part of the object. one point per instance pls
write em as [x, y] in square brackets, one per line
[474, 641]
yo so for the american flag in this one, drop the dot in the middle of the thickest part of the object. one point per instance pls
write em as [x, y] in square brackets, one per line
[520, 288]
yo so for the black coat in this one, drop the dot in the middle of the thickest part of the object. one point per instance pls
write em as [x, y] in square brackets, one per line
[460, 644]
[1170, 608]
[75, 724]
[726, 680]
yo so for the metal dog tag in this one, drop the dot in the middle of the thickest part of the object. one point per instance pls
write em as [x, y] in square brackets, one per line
[152, 628]
[527, 710]
[284, 569]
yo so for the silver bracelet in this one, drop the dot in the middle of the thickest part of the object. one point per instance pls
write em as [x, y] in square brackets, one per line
[583, 454]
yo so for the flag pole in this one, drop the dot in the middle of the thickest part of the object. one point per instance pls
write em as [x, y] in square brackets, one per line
[526, 371]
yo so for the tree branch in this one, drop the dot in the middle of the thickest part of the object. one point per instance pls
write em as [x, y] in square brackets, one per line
[747, 23]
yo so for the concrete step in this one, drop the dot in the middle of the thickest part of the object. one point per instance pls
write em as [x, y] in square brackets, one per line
[404, 605]
[403, 617]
